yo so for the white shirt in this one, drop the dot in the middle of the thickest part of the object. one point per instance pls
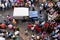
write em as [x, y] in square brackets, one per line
[32, 5]
[6, 4]
[41, 7]
[29, 2]
[3, 6]
[26, 31]
[43, 23]
[32, 28]
[38, 37]
[50, 17]
[11, 0]
[17, 32]
[58, 3]
[33, 36]
[1, 38]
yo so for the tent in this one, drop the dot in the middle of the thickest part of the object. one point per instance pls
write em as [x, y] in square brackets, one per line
[33, 14]
[20, 12]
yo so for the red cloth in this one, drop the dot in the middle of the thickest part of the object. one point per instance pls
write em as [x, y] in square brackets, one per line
[29, 26]
[2, 25]
[18, 1]
[52, 24]
[46, 24]
[37, 28]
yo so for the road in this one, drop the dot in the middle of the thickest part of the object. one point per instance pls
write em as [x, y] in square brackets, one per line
[4, 14]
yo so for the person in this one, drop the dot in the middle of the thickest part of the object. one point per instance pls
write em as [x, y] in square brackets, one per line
[41, 8]
[6, 22]
[16, 33]
[43, 35]
[29, 26]
[46, 25]
[32, 29]
[3, 25]
[14, 22]
[26, 32]
[9, 18]
[31, 39]
[14, 28]
[58, 35]
[33, 36]
[38, 37]
[13, 36]
[9, 34]
[33, 7]
[10, 26]
[37, 29]
[6, 4]
[3, 6]
[50, 4]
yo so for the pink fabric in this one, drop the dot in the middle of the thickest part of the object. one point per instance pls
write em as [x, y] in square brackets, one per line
[10, 26]
[8, 17]
[18, 1]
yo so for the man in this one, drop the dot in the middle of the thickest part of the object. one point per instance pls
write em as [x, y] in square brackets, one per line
[3, 6]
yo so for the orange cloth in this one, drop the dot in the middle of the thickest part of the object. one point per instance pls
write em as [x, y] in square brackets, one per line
[13, 21]
[2, 25]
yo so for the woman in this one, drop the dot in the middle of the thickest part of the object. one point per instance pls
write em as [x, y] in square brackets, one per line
[8, 17]
[14, 22]
[10, 26]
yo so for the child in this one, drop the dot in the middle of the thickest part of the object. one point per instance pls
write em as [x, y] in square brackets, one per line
[9, 18]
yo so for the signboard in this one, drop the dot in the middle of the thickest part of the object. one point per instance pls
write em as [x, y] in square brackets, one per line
[33, 14]
[20, 12]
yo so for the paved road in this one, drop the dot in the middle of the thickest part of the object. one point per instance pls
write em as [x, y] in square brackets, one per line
[4, 14]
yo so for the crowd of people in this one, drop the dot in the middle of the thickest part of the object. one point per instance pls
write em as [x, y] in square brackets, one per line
[47, 24]
[9, 29]
[46, 28]
[7, 4]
